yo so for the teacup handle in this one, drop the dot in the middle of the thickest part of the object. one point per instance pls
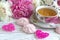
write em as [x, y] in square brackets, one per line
[59, 12]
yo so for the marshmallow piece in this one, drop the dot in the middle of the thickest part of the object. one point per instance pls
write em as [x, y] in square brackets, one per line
[29, 28]
[57, 30]
[22, 21]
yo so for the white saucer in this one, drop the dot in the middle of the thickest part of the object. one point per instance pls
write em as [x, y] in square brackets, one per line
[35, 21]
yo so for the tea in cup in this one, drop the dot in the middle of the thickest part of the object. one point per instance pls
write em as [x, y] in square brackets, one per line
[43, 12]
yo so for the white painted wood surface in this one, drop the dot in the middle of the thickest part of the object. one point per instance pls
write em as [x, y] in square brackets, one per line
[19, 35]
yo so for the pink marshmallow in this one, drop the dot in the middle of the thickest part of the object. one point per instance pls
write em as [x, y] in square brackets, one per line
[22, 21]
[29, 28]
[57, 30]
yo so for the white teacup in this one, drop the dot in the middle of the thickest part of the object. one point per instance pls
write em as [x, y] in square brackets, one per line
[41, 17]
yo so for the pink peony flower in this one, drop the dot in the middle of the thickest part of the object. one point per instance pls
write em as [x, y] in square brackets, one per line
[22, 8]
[58, 2]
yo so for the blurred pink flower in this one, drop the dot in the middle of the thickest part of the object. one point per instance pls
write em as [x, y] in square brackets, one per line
[22, 8]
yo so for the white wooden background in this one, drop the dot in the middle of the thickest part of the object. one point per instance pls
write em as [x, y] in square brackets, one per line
[19, 35]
